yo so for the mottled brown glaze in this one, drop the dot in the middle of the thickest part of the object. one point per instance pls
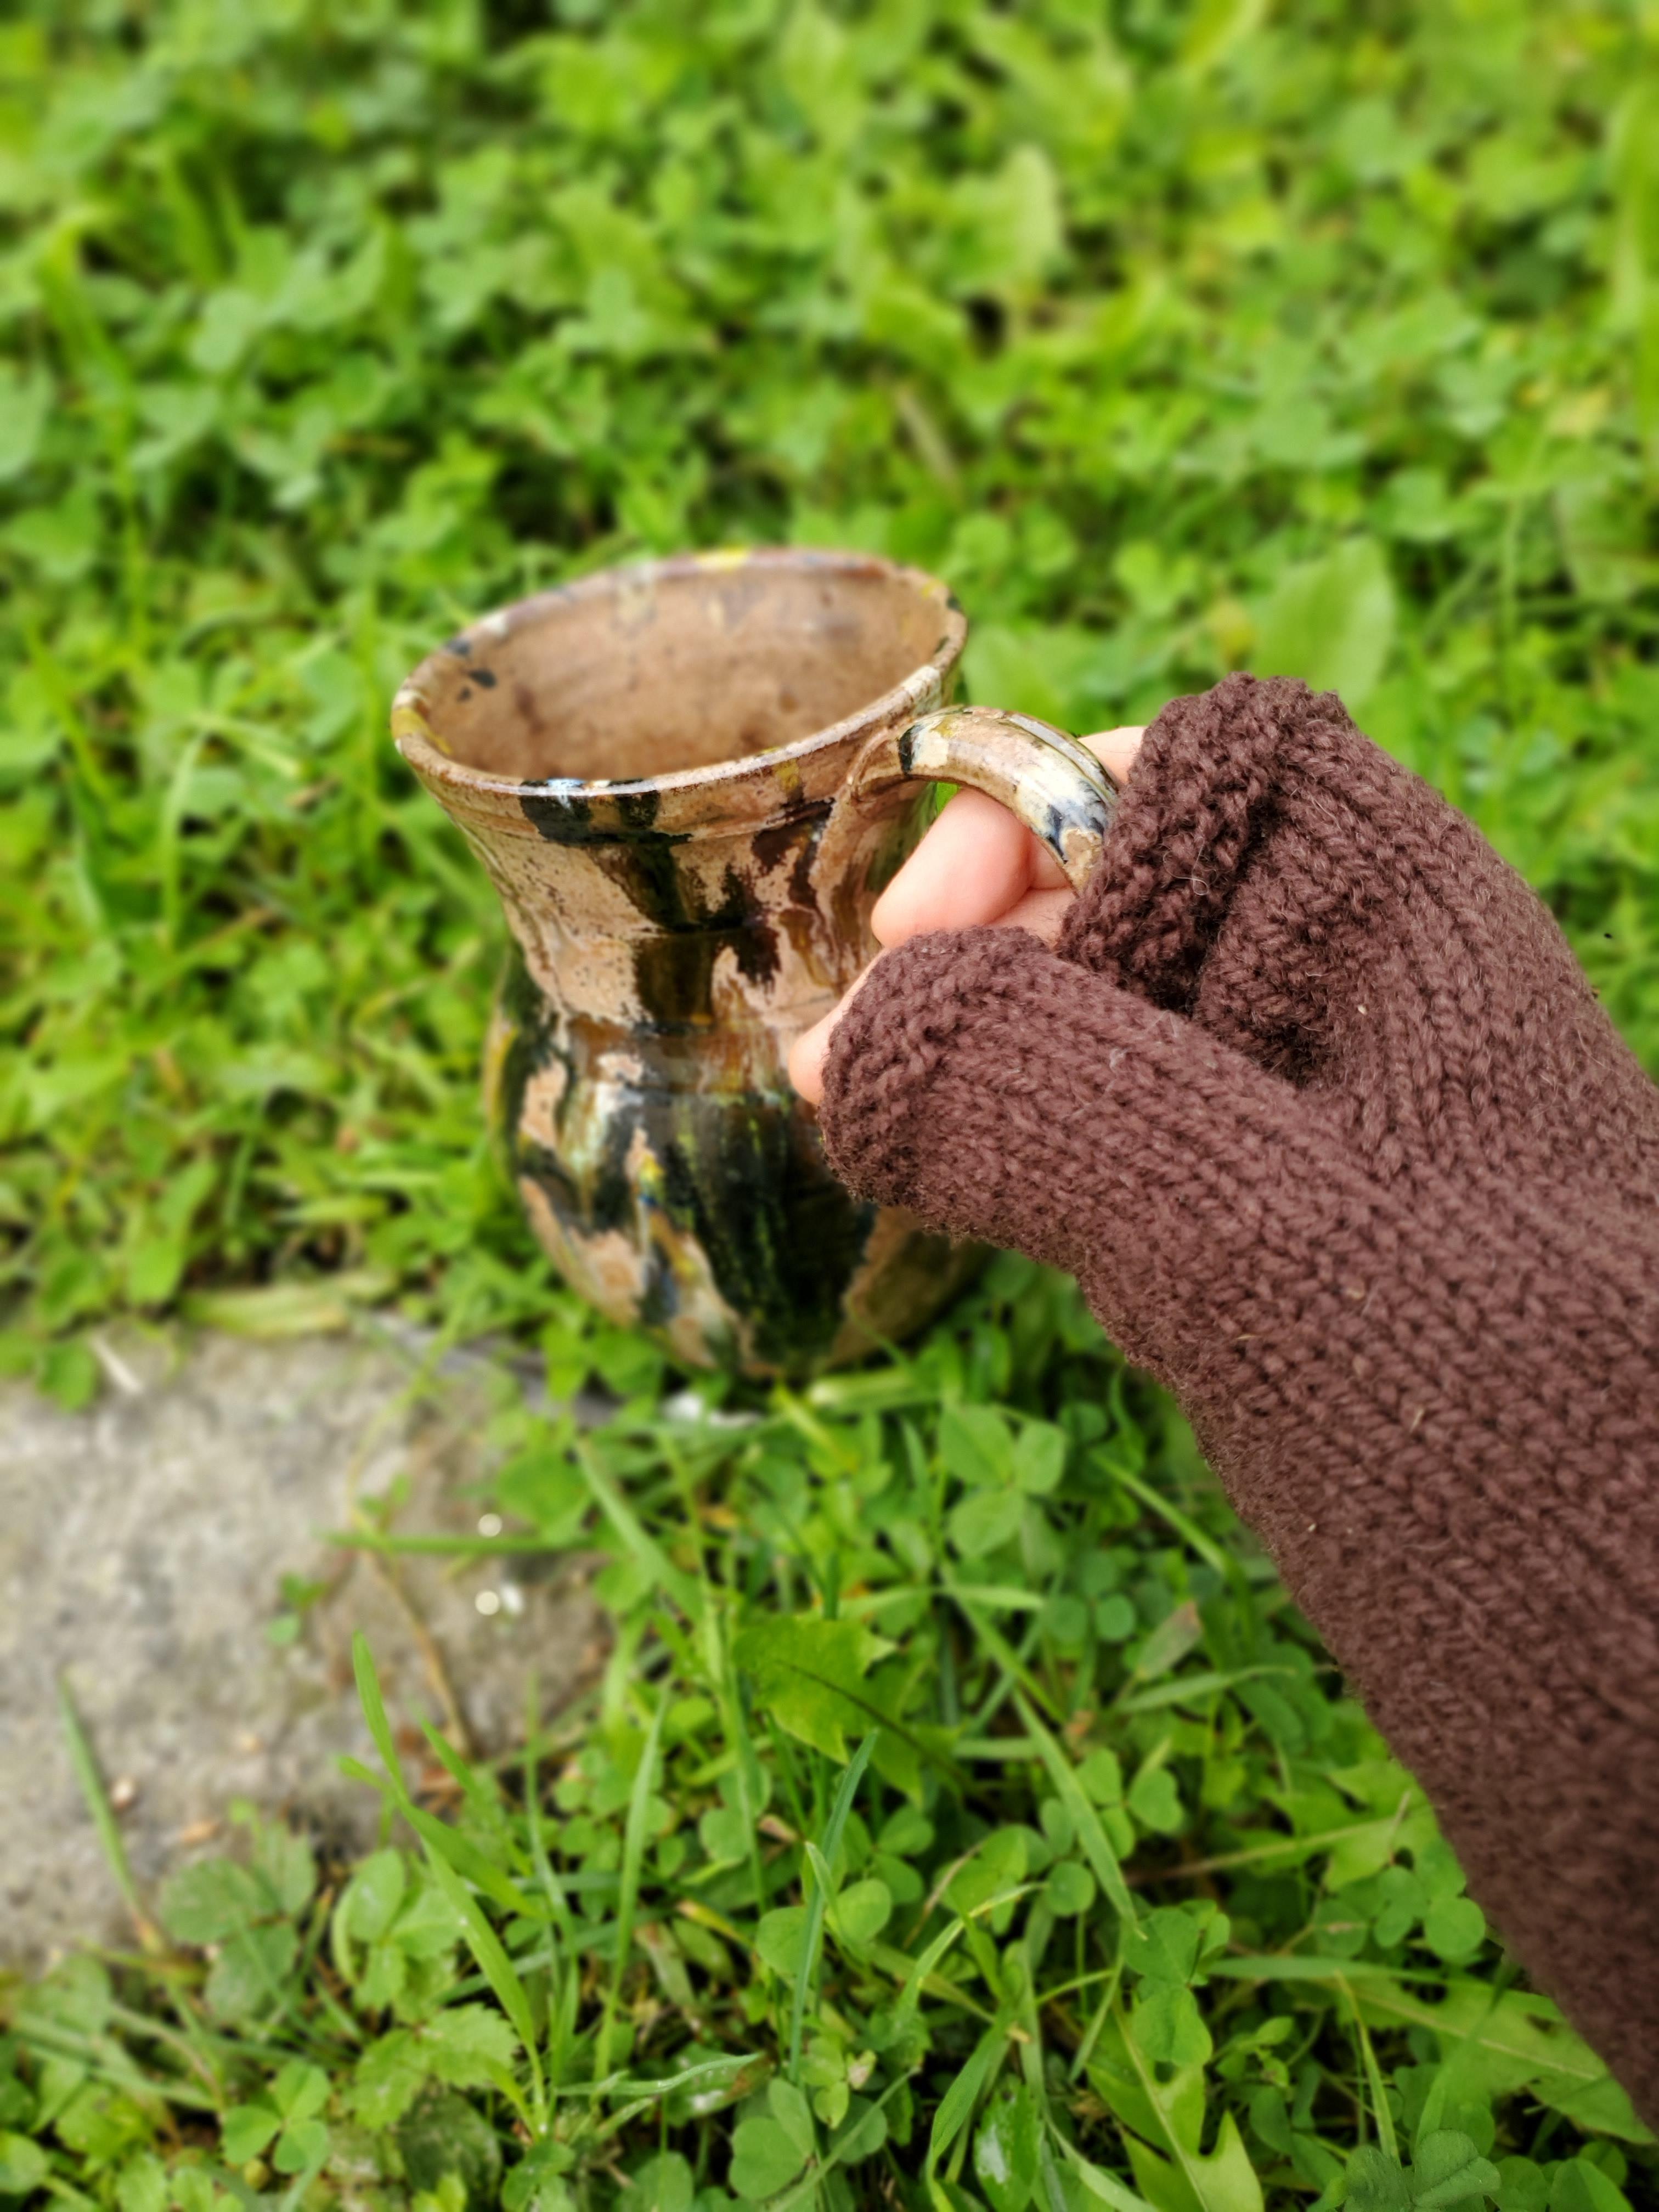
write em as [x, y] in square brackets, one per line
[647, 763]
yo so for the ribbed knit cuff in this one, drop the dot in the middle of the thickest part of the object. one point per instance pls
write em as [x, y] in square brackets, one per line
[899, 1037]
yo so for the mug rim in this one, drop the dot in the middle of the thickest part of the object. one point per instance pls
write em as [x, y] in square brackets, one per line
[414, 736]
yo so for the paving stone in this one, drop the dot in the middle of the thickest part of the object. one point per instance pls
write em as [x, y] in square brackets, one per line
[142, 1548]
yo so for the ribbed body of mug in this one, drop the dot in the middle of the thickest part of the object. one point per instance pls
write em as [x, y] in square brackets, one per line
[671, 935]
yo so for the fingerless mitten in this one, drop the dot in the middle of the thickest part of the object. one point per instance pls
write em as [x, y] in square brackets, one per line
[1314, 1101]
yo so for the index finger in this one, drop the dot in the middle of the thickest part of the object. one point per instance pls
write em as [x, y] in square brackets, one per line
[976, 862]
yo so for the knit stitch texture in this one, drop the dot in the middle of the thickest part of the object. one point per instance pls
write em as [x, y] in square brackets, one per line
[1314, 1101]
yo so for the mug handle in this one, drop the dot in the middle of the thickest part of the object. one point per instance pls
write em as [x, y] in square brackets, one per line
[1046, 779]
[1053, 784]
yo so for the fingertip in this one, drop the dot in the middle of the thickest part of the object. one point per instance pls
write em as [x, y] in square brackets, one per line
[806, 1057]
[1116, 750]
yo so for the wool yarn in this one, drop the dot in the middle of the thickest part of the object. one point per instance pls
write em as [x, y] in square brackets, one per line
[1314, 1101]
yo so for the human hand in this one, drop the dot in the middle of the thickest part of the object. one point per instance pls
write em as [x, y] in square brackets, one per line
[976, 865]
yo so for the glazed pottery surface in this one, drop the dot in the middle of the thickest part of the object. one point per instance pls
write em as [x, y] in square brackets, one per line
[688, 782]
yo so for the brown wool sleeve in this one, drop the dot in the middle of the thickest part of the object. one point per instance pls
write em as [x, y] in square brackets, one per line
[1314, 1101]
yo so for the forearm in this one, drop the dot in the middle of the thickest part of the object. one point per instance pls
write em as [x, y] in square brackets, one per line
[1434, 1398]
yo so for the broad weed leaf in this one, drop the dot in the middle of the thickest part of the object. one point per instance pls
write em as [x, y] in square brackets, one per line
[1223, 2181]
[1522, 2186]
[809, 1673]
[976, 1446]
[370, 1899]
[1155, 1801]
[101, 2124]
[195, 2190]
[1331, 621]
[1005, 2147]
[997, 1867]
[1447, 2170]
[1377, 2183]
[862, 1910]
[1163, 2113]
[1164, 2120]
[300, 2090]
[986, 1520]
[1454, 1928]
[23, 2165]
[448, 2147]
[25, 401]
[140, 2186]
[861, 2133]
[246, 2130]
[1069, 1890]
[723, 1834]
[467, 2045]
[1580, 2185]
[1039, 1457]
[302, 2147]
[764, 2159]
[663, 2184]
[1519, 2043]
[781, 1939]
[385, 1976]
[245, 1979]
[1173, 1939]
[790, 2109]
[76, 1995]
[1101, 1777]
[544, 1487]
[1168, 2027]
[389, 2076]
[906, 1833]
[210, 1901]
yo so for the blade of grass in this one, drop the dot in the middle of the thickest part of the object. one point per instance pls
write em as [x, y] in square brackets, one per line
[818, 1904]
[729, 1699]
[1157, 2097]
[956, 2106]
[653, 1560]
[499, 1972]
[910, 1996]
[84, 1761]
[1380, 2111]
[633, 1860]
[374, 1705]
[1000, 1650]
[1085, 1820]
[442, 1840]
[458, 1546]
[563, 1972]
[1099, 2183]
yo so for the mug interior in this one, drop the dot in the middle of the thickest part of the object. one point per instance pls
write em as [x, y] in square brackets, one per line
[684, 664]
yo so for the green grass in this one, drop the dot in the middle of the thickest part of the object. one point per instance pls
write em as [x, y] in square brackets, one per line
[1325, 341]
[964, 1821]
[1321, 338]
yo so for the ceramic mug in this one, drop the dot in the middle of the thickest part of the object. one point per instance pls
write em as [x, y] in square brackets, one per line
[688, 782]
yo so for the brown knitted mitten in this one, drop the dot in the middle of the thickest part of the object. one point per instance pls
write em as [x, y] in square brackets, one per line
[1315, 1104]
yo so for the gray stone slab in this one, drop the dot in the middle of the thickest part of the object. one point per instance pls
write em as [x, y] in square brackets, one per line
[142, 1545]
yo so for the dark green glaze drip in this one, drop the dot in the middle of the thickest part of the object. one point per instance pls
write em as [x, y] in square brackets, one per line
[802, 831]
[746, 1177]
[673, 971]
[532, 1045]
[743, 1177]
